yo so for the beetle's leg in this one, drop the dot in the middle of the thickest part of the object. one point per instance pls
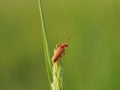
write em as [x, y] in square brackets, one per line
[54, 51]
[63, 51]
[57, 45]
[56, 48]
[60, 57]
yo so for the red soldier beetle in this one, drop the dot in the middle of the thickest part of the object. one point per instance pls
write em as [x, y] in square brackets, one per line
[60, 49]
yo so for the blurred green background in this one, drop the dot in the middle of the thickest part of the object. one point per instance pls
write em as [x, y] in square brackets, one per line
[92, 61]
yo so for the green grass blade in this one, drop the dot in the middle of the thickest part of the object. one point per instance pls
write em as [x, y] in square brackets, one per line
[45, 44]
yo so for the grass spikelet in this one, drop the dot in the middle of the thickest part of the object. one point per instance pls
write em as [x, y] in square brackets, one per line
[57, 83]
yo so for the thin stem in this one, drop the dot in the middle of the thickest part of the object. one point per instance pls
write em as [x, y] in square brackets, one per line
[45, 43]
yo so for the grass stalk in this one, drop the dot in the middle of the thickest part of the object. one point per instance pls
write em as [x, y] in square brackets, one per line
[54, 71]
[45, 43]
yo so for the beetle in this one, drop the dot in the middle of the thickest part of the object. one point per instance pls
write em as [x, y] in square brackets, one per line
[60, 50]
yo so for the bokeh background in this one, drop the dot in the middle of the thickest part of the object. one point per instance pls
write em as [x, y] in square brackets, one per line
[92, 61]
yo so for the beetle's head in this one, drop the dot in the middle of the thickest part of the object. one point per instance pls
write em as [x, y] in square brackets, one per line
[64, 45]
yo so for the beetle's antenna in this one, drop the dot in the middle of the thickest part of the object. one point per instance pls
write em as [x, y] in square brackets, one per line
[68, 39]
